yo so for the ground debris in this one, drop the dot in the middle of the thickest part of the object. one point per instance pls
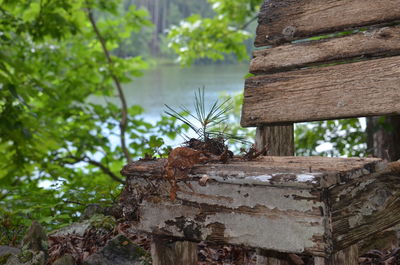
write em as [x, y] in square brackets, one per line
[377, 257]
[224, 255]
[94, 239]
[181, 160]
[81, 247]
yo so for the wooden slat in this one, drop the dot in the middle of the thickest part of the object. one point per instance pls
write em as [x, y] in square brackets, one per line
[368, 88]
[286, 20]
[377, 42]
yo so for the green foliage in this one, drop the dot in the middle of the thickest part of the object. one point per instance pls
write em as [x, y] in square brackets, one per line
[216, 37]
[346, 138]
[238, 11]
[58, 151]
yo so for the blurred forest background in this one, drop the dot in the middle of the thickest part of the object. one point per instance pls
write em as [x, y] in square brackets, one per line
[71, 96]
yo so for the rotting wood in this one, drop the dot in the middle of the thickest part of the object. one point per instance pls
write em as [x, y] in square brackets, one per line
[365, 206]
[276, 171]
[167, 252]
[367, 88]
[319, 261]
[296, 218]
[374, 42]
[287, 20]
[348, 256]
[265, 257]
[190, 218]
[278, 139]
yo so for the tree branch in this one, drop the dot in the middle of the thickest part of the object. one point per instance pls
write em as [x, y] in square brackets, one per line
[244, 26]
[106, 170]
[124, 110]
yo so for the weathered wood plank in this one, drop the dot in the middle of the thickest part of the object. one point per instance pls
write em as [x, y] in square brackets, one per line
[365, 206]
[286, 20]
[376, 42]
[274, 171]
[279, 139]
[260, 217]
[368, 88]
[308, 220]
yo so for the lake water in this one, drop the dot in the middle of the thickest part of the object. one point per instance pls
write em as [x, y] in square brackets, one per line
[175, 86]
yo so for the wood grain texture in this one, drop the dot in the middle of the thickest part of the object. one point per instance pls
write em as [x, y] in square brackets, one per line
[279, 139]
[375, 42]
[231, 208]
[167, 252]
[287, 20]
[368, 88]
[276, 171]
[365, 206]
[348, 256]
[286, 219]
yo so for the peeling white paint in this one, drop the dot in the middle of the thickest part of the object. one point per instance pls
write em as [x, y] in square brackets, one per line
[262, 178]
[306, 178]
[281, 179]
[281, 233]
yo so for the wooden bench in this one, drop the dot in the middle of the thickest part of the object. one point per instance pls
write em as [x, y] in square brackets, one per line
[306, 205]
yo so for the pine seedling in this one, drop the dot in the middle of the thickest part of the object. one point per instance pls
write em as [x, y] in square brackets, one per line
[206, 123]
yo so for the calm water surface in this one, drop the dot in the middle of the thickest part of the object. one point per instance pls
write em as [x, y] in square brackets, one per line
[175, 86]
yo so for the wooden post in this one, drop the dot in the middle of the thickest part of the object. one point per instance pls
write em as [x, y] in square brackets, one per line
[167, 252]
[348, 256]
[279, 140]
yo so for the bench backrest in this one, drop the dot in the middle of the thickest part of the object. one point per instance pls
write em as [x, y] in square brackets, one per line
[300, 76]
